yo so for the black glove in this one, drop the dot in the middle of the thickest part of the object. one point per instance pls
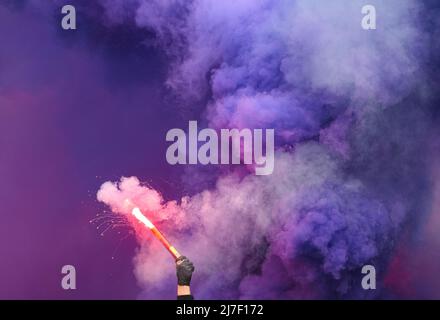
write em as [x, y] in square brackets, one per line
[184, 270]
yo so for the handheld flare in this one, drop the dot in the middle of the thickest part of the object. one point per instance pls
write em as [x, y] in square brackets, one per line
[140, 216]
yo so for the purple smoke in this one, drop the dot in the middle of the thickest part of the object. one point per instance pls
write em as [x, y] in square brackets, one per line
[351, 130]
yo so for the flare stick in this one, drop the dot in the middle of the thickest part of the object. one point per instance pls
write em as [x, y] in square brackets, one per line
[140, 216]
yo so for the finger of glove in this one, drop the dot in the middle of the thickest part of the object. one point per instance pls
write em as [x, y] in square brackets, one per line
[186, 263]
[181, 258]
[187, 267]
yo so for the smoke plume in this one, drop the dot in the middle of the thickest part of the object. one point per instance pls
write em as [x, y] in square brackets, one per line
[352, 121]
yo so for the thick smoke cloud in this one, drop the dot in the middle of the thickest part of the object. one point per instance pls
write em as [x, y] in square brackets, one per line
[262, 69]
[276, 221]
[351, 131]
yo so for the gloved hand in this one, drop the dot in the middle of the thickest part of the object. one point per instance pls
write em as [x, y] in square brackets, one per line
[184, 270]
